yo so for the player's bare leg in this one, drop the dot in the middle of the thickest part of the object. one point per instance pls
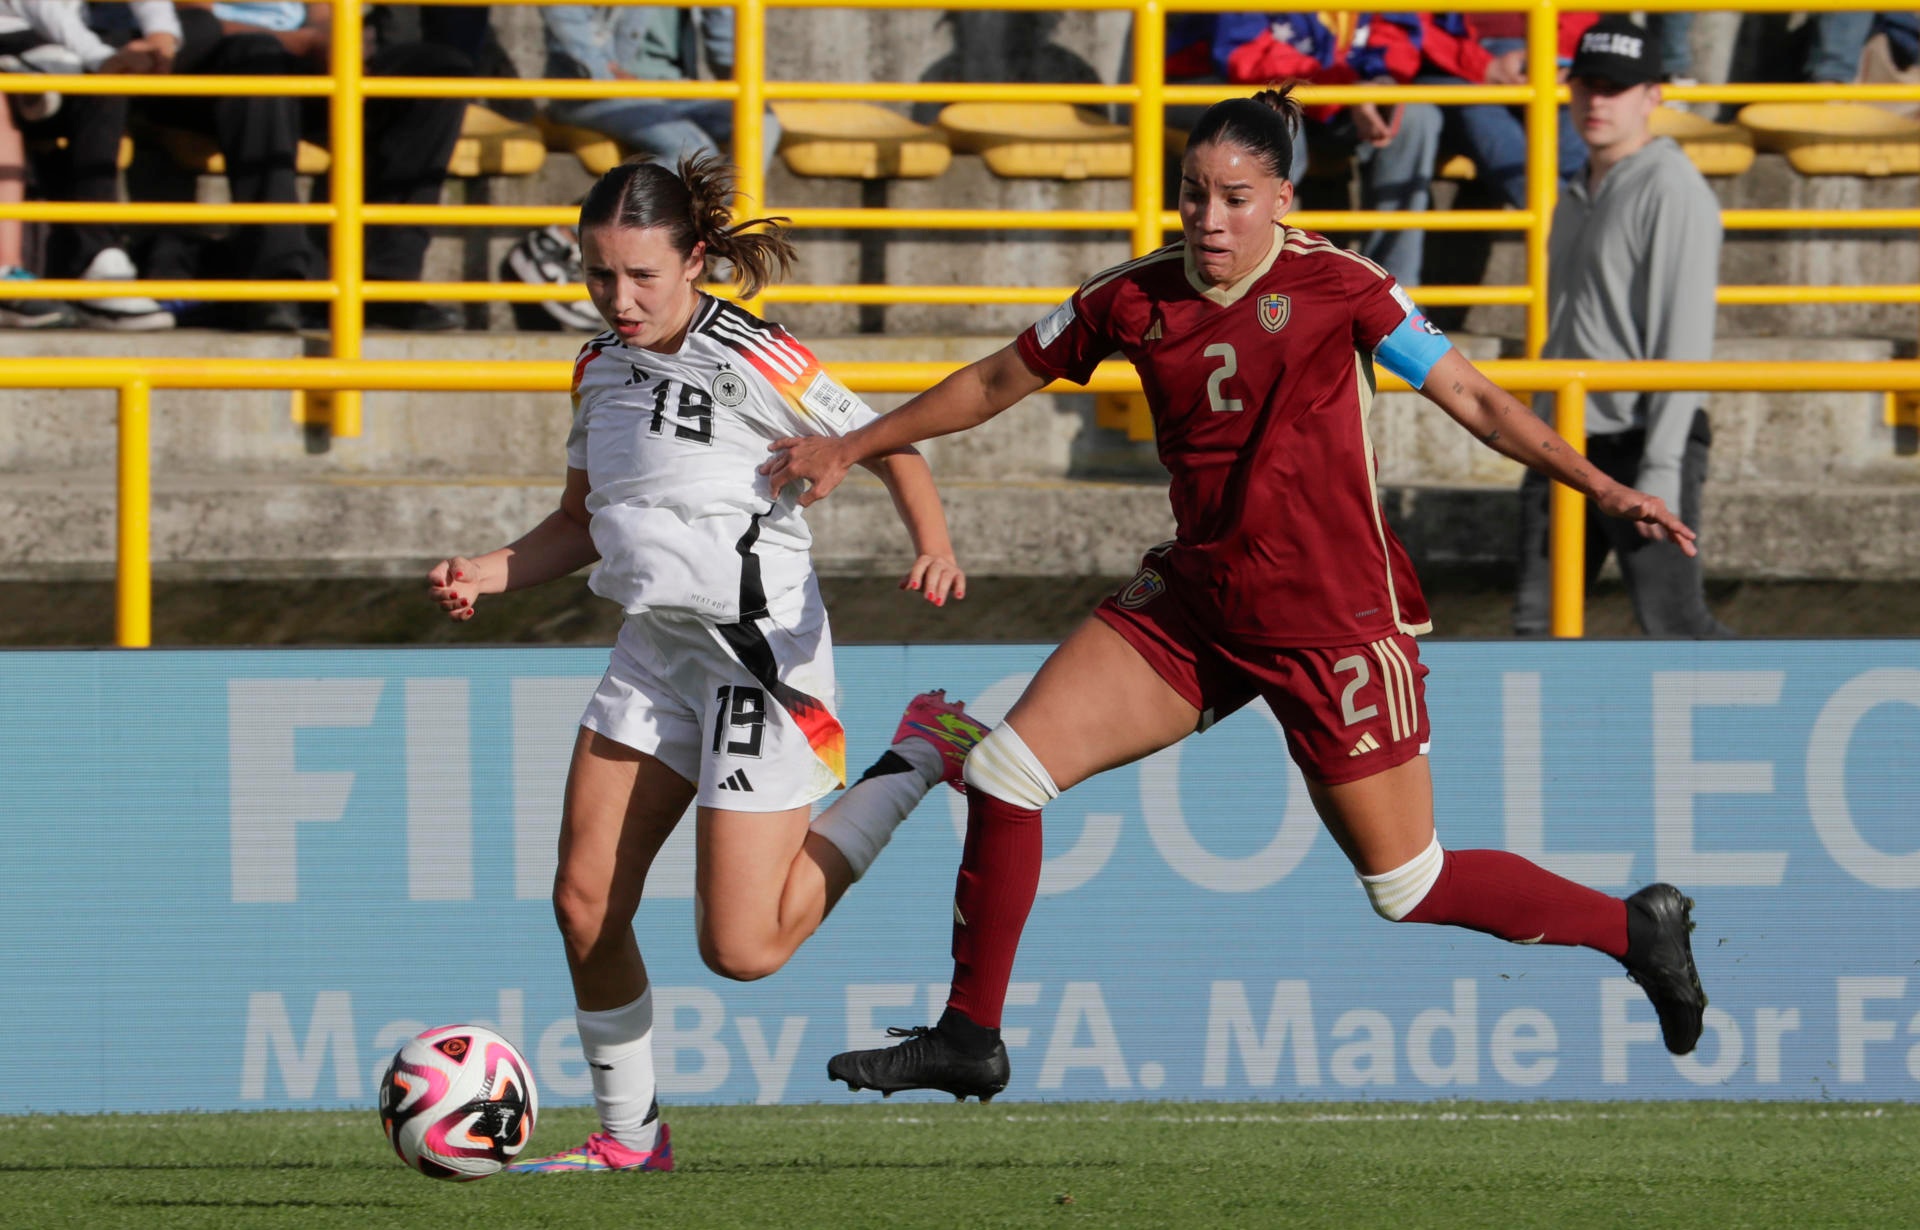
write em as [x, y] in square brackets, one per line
[762, 884]
[1096, 704]
[621, 806]
[766, 880]
[1384, 823]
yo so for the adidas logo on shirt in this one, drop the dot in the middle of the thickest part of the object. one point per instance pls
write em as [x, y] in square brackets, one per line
[1154, 332]
[1367, 744]
[738, 781]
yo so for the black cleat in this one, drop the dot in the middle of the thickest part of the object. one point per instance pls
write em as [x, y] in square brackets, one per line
[1660, 960]
[928, 1059]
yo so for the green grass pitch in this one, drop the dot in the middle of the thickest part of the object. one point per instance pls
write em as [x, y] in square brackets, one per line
[1550, 1164]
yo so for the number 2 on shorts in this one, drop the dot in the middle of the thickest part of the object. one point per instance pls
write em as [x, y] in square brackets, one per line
[1348, 714]
[736, 707]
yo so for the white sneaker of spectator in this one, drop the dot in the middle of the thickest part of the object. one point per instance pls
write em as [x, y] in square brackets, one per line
[130, 313]
[550, 256]
[46, 58]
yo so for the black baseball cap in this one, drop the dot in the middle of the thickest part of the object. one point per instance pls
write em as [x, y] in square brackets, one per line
[1617, 50]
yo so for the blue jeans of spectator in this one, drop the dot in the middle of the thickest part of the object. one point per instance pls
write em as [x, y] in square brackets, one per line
[1399, 176]
[667, 129]
[1673, 34]
[1839, 38]
[1495, 138]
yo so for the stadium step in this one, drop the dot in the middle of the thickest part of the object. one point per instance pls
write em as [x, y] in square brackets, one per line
[60, 525]
[1808, 484]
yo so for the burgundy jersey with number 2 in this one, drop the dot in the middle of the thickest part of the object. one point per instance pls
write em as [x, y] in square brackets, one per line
[1260, 392]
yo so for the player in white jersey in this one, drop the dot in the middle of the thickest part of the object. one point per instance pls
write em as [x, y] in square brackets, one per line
[720, 688]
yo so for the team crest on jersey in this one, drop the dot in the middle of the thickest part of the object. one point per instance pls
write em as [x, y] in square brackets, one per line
[728, 388]
[1143, 589]
[1274, 310]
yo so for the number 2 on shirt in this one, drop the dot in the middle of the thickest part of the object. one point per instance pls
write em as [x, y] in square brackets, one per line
[1222, 405]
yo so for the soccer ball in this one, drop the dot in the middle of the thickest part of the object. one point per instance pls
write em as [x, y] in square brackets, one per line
[457, 1102]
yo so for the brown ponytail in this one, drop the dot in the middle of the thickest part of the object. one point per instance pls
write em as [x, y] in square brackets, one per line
[694, 206]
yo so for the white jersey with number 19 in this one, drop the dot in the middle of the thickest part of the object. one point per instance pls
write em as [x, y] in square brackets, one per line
[671, 444]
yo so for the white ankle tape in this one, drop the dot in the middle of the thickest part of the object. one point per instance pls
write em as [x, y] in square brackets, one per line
[1003, 766]
[1395, 893]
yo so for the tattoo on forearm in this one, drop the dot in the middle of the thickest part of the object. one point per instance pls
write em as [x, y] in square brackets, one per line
[1491, 436]
[1459, 388]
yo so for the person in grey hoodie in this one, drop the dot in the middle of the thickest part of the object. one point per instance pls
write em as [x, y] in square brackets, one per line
[1633, 264]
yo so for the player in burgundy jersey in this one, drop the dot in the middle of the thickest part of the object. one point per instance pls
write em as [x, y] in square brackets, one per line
[1255, 343]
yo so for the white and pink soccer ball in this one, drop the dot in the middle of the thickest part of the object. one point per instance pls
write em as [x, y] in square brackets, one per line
[457, 1102]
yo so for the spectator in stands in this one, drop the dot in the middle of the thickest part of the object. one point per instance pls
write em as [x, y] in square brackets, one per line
[17, 309]
[408, 144]
[1632, 268]
[626, 44]
[1491, 49]
[73, 142]
[1396, 146]
[647, 44]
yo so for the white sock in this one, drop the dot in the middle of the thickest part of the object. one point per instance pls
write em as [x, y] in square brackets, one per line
[618, 1045]
[861, 821]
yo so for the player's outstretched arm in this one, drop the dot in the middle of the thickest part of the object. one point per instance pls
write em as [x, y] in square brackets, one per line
[967, 398]
[909, 480]
[1501, 423]
[558, 546]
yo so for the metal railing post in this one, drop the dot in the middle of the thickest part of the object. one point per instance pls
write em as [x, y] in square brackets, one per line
[1568, 520]
[348, 182]
[133, 564]
[1543, 159]
[750, 109]
[1149, 124]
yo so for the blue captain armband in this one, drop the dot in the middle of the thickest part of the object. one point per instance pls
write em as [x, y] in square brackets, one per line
[1412, 349]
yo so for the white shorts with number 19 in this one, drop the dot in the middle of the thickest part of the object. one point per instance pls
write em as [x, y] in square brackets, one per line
[744, 710]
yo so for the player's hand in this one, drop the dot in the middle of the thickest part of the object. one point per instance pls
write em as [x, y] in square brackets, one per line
[1650, 516]
[454, 583]
[814, 460]
[937, 577]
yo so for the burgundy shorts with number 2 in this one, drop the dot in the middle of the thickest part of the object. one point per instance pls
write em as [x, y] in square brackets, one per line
[1349, 712]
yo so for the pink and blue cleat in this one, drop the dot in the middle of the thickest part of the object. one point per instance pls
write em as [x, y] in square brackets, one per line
[602, 1152]
[932, 718]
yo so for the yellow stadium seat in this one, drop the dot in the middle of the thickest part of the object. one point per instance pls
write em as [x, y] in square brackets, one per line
[1457, 167]
[492, 144]
[199, 153]
[597, 152]
[856, 140]
[1716, 149]
[1040, 140]
[1836, 138]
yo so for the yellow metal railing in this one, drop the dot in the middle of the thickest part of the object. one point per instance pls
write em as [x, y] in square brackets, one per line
[332, 386]
[135, 379]
[1145, 220]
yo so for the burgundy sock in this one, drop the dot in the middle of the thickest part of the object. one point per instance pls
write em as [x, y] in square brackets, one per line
[999, 877]
[1505, 895]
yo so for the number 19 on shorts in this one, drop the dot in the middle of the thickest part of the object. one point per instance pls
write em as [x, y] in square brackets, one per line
[741, 712]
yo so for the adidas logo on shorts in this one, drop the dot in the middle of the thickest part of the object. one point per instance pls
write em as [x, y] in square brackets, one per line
[1367, 744]
[738, 781]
